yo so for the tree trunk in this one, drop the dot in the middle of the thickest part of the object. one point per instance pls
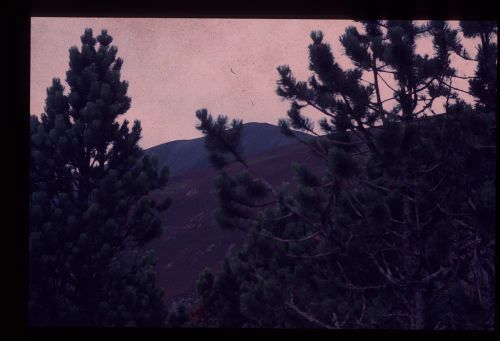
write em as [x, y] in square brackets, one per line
[419, 313]
[411, 263]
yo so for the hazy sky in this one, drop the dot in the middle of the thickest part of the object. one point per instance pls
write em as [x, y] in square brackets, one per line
[176, 66]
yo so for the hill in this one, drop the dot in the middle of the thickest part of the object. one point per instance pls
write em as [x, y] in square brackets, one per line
[186, 155]
[190, 240]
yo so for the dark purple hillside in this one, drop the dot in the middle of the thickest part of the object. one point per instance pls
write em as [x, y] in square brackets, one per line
[190, 241]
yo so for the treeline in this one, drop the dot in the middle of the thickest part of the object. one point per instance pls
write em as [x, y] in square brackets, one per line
[396, 232]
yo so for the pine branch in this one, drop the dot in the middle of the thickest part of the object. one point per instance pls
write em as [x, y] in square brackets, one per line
[360, 320]
[309, 146]
[386, 273]
[377, 92]
[360, 127]
[464, 55]
[254, 205]
[307, 316]
[433, 275]
[465, 77]
[454, 88]
[393, 247]
[351, 286]
[284, 240]
[319, 255]
[289, 207]
[387, 190]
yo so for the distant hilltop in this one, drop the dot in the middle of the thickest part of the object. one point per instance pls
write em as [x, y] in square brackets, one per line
[186, 155]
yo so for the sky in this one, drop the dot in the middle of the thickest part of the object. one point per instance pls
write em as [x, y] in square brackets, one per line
[176, 66]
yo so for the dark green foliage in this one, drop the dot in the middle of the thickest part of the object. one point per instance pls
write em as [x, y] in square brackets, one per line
[179, 317]
[89, 211]
[341, 163]
[398, 230]
[221, 138]
[484, 85]
[220, 299]
[304, 176]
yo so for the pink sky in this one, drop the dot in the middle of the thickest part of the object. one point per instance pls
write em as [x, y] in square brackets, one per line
[176, 66]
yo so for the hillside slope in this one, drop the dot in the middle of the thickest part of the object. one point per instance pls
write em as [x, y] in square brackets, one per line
[190, 241]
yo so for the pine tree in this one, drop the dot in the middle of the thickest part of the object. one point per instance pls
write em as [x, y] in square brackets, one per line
[397, 231]
[484, 85]
[90, 215]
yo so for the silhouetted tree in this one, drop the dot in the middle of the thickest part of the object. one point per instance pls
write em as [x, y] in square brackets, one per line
[89, 210]
[398, 230]
[484, 85]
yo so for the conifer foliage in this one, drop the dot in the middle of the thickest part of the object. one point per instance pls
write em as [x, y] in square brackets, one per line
[397, 231]
[484, 85]
[89, 213]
